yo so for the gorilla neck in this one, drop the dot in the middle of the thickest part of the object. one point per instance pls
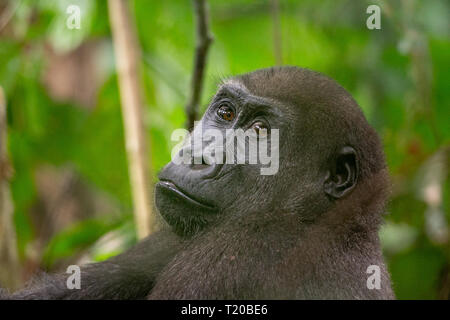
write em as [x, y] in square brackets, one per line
[234, 260]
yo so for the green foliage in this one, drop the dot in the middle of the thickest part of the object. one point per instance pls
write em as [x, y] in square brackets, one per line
[404, 97]
[69, 241]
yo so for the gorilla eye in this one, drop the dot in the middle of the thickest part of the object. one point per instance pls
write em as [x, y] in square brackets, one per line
[258, 126]
[226, 112]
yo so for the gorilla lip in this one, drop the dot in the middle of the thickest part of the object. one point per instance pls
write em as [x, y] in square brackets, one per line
[172, 187]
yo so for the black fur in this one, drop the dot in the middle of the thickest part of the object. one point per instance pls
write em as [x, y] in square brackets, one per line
[126, 276]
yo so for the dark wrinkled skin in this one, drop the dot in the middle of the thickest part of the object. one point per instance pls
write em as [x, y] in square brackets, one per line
[308, 232]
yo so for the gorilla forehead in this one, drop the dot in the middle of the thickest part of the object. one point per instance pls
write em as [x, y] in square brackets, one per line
[328, 113]
[299, 87]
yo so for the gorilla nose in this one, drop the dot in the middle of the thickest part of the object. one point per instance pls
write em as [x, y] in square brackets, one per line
[201, 166]
[191, 172]
[206, 170]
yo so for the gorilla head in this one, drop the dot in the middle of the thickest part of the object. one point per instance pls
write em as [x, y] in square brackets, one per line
[326, 147]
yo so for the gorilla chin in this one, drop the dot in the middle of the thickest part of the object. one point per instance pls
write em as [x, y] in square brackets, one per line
[185, 214]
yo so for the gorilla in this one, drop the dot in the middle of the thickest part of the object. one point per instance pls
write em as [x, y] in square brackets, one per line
[310, 231]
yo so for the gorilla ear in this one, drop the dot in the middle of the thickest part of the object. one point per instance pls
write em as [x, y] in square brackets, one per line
[343, 174]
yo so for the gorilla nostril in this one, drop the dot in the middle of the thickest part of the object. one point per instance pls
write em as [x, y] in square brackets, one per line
[206, 171]
[199, 166]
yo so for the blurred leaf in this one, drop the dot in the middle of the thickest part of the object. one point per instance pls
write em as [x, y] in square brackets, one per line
[76, 237]
[415, 273]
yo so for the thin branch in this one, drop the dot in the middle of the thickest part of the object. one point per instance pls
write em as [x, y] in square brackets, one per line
[204, 39]
[9, 268]
[277, 44]
[127, 58]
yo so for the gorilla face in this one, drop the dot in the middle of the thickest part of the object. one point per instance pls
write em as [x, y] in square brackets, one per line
[317, 162]
[190, 196]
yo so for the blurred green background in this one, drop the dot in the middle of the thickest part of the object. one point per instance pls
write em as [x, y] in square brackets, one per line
[70, 187]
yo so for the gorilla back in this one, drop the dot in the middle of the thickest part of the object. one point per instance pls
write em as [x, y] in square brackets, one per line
[309, 231]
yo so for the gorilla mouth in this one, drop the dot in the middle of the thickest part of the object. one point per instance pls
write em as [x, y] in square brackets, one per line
[169, 185]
